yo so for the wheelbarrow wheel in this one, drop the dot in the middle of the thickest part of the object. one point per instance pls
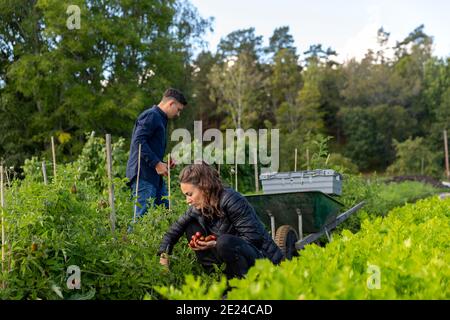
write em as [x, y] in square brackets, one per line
[285, 238]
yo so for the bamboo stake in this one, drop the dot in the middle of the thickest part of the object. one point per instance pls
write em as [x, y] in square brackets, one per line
[111, 185]
[54, 159]
[7, 176]
[168, 178]
[447, 169]
[9, 258]
[137, 183]
[44, 172]
[295, 161]
[421, 166]
[307, 158]
[2, 202]
[256, 171]
[236, 176]
[10, 248]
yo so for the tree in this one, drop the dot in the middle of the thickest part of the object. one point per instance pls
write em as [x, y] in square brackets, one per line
[204, 107]
[370, 132]
[236, 84]
[64, 82]
[240, 42]
[408, 73]
[382, 40]
[436, 98]
[309, 102]
[285, 79]
[366, 83]
[316, 54]
[414, 157]
[281, 39]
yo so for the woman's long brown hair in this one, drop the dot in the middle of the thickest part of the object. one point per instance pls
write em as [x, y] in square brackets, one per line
[206, 178]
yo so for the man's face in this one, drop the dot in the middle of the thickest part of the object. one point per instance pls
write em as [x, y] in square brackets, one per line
[175, 109]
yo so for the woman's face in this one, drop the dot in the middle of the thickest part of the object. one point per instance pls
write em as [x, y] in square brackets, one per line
[194, 196]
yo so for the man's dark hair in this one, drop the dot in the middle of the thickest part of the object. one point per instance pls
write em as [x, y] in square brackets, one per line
[175, 94]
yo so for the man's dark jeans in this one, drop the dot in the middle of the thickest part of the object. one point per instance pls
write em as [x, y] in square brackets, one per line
[237, 254]
[149, 192]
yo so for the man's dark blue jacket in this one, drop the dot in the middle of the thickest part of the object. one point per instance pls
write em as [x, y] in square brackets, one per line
[149, 131]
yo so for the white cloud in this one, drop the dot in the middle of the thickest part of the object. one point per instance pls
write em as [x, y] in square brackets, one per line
[366, 38]
[357, 46]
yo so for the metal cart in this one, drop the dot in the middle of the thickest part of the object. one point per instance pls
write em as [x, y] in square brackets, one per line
[296, 219]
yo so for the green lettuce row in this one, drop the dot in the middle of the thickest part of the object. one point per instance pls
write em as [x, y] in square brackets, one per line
[402, 256]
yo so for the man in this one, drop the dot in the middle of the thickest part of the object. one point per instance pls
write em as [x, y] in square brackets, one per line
[150, 132]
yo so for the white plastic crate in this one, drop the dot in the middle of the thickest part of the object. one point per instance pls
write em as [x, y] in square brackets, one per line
[328, 181]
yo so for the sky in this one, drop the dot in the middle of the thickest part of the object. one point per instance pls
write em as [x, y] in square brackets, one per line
[347, 26]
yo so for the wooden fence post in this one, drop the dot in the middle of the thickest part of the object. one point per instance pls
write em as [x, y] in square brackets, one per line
[7, 176]
[236, 175]
[422, 164]
[54, 159]
[44, 172]
[2, 202]
[256, 170]
[137, 183]
[307, 158]
[168, 178]
[447, 169]
[295, 161]
[112, 216]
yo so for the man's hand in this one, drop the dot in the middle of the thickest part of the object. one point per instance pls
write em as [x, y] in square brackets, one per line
[161, 169]
[172, 163]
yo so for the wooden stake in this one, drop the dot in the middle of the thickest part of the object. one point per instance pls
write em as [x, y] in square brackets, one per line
[256, 171]
[447, 169]
[295, 161]
[235, 176]
[137, 182]
[112, 216]
[54, 159]
[307, 158]
[44, 172]
[7, 176]
[168, 178]
[2, 202]
[421, 166]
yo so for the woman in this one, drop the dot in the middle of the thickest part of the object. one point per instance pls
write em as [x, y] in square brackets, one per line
[223, 212]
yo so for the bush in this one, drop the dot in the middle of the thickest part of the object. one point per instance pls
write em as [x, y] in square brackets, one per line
[379, 197]
[414, 157]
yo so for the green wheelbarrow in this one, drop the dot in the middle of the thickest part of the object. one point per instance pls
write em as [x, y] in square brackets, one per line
[299, 218]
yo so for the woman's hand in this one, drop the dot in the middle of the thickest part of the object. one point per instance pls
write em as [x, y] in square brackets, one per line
[204, 245]
[164, 260]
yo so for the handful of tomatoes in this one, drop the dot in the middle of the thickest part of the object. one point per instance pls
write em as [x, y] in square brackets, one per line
[199, 237]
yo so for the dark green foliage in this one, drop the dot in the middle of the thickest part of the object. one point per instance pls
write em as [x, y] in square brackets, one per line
[63, 83]
[57, 81]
